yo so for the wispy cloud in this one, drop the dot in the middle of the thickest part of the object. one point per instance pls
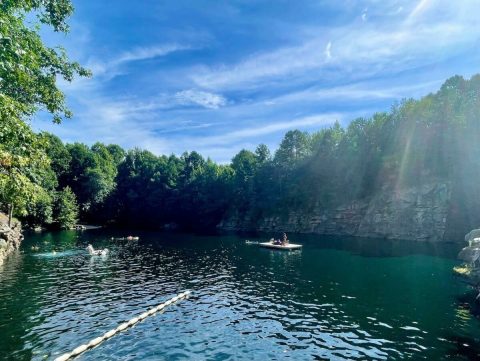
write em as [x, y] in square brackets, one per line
[202, 98]
[112, 67]
[226, 90]
[357, 91]
[419, 9]
[328, 50]
[364, 14]
[361, 49]
[281, 126]
[143, 53]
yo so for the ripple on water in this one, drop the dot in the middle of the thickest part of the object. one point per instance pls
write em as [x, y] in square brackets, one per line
[247, 304]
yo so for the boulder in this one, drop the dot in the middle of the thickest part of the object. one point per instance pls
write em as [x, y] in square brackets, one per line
[10, 238]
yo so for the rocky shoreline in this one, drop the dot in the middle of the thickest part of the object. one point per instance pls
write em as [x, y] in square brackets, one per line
[10, 237]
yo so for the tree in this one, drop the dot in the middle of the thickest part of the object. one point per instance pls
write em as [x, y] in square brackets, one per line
[21, 159]
[66, 208]
[29, 69]
[40, 212]
[58, 153]
[263, 153]
[28, 74]
[294, 147]
[117, 153]
[245, 166]
[102, 175]
[91, 175]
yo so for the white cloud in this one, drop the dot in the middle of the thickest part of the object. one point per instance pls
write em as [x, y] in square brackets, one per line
[144, 53]
[255, 132]
[364, 14]
[202, 98]
[328, 50]
[421, 7]
[356, 91]
[361, 49]
[110, 68]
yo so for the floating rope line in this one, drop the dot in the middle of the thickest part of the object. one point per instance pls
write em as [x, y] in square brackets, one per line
[97, 341]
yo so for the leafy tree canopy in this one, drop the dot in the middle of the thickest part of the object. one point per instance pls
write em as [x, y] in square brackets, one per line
[28, 68]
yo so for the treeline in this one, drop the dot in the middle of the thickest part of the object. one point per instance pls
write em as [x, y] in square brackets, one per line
[418, 141]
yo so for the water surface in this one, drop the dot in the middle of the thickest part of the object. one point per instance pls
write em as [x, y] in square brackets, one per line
[338, 299]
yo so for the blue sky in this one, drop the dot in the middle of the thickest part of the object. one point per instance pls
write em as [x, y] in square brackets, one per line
[219, 76]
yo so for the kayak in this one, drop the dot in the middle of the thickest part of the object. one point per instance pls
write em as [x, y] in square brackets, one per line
[287, 247]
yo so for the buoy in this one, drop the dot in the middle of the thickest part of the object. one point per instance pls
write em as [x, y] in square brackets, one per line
[95, 342]
[98, 340]
[143, 315]
[109, 334]
[79, 350]
[122, 327]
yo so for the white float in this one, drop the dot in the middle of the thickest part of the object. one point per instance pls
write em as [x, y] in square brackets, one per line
[286, 247]
[98, 340]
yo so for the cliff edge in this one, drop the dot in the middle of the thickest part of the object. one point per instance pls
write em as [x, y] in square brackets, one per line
[417, 213]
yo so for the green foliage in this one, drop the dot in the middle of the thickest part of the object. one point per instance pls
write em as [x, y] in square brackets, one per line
[151, 191]
[66, 208]
[58, 153]
[91, 175]
[263, 154]
[117, 153]
[22, 159]
[40, 211]
[294, 147]
[29, 69]
[28, 74]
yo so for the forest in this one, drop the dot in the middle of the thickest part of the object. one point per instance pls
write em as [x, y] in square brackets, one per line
[48, 183]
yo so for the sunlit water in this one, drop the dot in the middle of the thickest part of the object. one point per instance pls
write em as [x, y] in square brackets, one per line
[336, 299]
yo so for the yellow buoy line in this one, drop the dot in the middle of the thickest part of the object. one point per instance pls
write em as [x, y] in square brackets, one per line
[97, 341]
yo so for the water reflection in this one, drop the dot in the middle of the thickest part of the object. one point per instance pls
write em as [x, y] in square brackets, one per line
[372, 247]
[335, 299]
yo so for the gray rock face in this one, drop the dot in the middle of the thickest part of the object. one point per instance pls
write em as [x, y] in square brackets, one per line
[10, 237]
[418, 213]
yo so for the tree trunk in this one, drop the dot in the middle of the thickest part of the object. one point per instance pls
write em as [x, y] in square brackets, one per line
[10, 215]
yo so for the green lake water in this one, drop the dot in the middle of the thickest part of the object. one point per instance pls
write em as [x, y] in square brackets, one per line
[336, 299]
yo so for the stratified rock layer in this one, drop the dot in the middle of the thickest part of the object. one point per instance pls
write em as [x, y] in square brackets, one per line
[417, 213]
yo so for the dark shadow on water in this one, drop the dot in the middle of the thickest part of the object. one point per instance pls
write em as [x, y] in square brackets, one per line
[462, 348]
[367, 247]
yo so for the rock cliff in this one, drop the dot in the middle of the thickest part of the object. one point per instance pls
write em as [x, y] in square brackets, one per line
[10, 237]
[418, 213]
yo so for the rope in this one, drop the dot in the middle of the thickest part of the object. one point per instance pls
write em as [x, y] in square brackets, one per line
[97, 341]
